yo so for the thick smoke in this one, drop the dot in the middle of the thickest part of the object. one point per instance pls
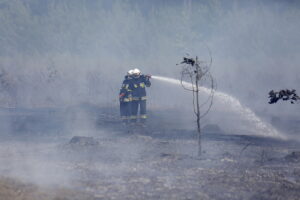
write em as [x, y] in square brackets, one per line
[60, 54]
[56, 53]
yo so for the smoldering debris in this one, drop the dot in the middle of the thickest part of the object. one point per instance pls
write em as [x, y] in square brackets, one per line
[81, 148]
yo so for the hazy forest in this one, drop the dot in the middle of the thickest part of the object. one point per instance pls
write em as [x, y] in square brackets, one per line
[85, 47]
[62, 63]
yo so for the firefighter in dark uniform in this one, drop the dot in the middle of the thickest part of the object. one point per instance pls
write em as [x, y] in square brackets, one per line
[125, 98]
[138, 85]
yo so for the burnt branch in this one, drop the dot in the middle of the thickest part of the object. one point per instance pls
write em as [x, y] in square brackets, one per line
[285, 95]
[197, 73]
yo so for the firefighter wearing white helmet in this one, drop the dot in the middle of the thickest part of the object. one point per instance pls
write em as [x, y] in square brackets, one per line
[138, 85]
[136, 72]
[125, 98]
[130, 72]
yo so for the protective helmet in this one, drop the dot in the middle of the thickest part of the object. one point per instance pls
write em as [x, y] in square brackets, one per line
[130, 72]
[136, 72]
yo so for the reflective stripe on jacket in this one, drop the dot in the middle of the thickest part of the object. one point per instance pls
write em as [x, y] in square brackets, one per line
[126, 90]
[138, 87]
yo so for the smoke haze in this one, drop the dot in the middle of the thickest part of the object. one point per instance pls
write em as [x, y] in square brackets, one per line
[62, 63]
[84, 48]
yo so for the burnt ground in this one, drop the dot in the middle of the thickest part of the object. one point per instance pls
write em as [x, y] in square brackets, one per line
[41, 159]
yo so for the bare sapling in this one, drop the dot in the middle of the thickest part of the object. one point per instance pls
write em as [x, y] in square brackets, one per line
[197, 74]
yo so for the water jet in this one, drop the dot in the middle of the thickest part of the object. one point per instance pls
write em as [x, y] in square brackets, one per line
[262, 128]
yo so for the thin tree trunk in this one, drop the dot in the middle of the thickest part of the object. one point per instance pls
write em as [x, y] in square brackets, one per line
[198, 110]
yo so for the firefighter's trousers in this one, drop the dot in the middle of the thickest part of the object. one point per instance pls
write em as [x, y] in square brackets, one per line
[125, 111]
[135, 105]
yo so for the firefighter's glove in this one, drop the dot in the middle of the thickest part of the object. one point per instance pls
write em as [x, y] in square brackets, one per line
[148, 76]
[121, 96]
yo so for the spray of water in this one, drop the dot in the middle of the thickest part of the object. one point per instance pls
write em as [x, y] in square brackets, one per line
[261, 127]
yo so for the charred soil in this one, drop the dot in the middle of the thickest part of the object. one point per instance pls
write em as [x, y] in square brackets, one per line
[111, 161]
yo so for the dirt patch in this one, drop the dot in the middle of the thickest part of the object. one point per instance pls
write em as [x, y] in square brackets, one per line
[11, 189]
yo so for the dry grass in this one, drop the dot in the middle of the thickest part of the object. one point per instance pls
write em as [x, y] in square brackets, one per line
[11, 189]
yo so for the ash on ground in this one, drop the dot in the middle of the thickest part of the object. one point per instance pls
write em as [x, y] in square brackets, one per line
[111, 161]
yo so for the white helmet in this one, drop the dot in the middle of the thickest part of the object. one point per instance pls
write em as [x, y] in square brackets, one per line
[130, 72]
[136, 72]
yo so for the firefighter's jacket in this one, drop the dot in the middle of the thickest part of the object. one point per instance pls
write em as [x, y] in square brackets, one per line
[137, 85]
[125, 89]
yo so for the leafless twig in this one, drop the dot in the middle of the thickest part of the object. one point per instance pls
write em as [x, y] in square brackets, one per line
[197, 72]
